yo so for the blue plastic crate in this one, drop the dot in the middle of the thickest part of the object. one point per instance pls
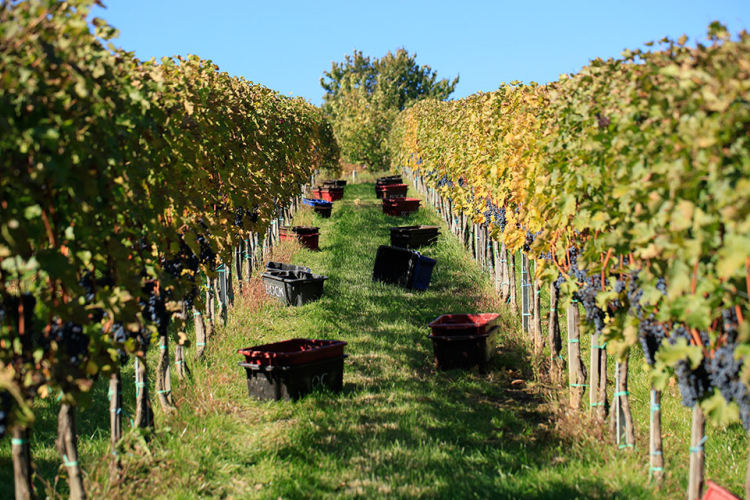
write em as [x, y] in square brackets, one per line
[316, 203]
[423, 272]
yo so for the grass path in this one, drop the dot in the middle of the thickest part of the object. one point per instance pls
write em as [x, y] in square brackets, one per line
[399, 429]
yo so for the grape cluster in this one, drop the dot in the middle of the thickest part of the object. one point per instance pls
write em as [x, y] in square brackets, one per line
[153, 308]
[587, 291]
[694, 384]
[494, 215]
[651, 334]
[90, 285]
[444, 181]
[207, 256]
[72, 342]
[6, 405]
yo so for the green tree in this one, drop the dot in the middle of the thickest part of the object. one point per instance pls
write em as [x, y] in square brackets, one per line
[364, 95]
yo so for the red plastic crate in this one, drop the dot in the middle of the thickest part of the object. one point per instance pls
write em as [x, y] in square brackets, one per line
[400, 206]
[308, 236]
[328, 193]
[716, 492]
[293, 352]
[394, 190]
[464, 324]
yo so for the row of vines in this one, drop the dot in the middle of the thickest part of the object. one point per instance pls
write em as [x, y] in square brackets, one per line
[124, 186]
[626, 187]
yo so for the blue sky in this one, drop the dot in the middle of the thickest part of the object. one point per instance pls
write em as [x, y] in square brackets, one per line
[288, 45]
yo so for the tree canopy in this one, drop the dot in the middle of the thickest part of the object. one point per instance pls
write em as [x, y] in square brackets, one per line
[364, 95]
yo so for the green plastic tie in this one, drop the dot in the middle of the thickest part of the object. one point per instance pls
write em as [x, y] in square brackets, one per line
[603, 346]
[627, 445]
[579, 385]
[163, 347]
[67, 463]
[18, 442]
[657, 469]
[699, 448]
[179, 362]
[572, 341]
[163, 392]
[525, 314]
[196, 313]
[621, 393]
[655, 408]
[596, 404]
[656, 453]
[201, 343]
[505, 283]
[575, 301]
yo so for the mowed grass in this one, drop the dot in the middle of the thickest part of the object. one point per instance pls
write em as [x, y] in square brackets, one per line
[399, 428]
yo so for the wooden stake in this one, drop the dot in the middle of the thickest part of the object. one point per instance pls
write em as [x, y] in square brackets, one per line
[67, 447]
[22, 464]
[536, 314]
[656, 450]
[697, 455]
[556, 366]
[144, 414]
[576, 368]
[512, 280]
[163, 376]
[115, 415]
[525, 289]
[623, 402]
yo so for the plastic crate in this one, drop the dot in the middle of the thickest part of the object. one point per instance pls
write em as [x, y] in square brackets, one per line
[294, 288]
[328, 193]
[464, 351]
[282, 266]
[335, 183]
[308, 236]
[294, 382]
[716, 492]
[402, 267]
[316, 202]
[389, 179]
[386, 181]
[394, 190]
[400, 206]
[414, 236]
[293, 352]
[423, 273]
[464, 324]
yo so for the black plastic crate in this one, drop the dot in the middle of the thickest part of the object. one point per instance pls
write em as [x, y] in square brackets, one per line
[294, 288]
[283, 266]
[402, 267]
[395, 266]
[464, 351]
[414, 236]
[293, 382]
[335, 183]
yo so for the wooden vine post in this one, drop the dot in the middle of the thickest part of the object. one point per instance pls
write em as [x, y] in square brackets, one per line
[67, 447]
[557, 365]
[536, 298]
[697, 454]
[623, 416]
[512, 279]
[525, 289]
[163, 375]
[576, 368]
[22, 463]
[144, 414]
[115, 415]
[656, 449]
